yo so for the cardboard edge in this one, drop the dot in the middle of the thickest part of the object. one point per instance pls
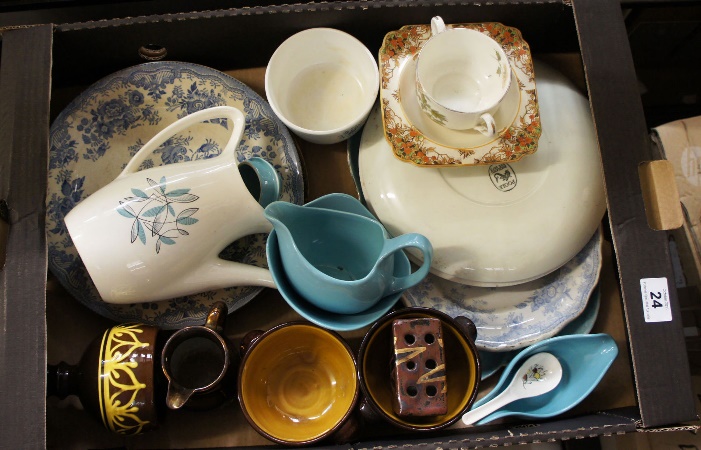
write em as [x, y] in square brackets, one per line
[271, 9]
[627, 425]
[688, 245]
[641, 252]
[25, 87]
[4, 230]
[615, 422]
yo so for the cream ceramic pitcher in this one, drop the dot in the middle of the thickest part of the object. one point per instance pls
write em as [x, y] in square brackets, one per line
[156, 234]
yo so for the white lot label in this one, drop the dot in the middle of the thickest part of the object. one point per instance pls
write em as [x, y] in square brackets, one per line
[655, 293]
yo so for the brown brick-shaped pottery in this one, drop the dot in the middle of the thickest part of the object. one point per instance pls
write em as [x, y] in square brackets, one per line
[418, 368]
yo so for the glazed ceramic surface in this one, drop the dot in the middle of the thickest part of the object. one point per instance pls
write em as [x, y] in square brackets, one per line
[297, 383]
[125, 376]
[322, 317]
[538, 375]
[503, 224]
[462, 76]
[198, 363]
[514, 317]
[585, 359]
[462, 369]
[492, 361]
[115, 379]
[316, 315]
[186, 212]
[339, 261]
[417, 139]
[322, 83]
[100, 131]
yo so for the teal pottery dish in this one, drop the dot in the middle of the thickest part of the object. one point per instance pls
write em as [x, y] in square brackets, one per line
[316, 315]
[585, 359]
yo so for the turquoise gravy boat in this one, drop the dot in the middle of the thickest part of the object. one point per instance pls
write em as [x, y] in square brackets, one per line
[585, 359]
[339, 261]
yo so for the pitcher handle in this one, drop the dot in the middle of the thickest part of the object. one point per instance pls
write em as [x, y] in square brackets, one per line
[235, 116]
[216, 317]
[404, 241]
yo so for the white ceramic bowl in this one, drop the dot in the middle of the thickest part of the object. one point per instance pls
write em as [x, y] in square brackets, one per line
[322, 83]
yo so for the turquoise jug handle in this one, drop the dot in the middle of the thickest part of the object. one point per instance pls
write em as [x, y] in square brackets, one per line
[406, 241]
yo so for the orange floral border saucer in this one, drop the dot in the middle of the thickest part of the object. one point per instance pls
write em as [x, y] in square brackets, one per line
[518, 130]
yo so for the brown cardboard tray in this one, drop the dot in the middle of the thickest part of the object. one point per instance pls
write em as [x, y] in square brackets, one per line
[43, 67]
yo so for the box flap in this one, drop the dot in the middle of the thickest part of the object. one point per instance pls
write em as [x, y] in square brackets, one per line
[612, 422]
[657, 345]
[25, 82]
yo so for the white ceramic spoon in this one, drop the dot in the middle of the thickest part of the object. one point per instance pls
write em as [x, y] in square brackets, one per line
[539, 374]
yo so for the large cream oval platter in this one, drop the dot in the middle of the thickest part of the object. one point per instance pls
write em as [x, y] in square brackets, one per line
[501, 224]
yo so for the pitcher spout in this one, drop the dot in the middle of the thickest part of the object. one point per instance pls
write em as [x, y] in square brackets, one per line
[177, 396]
[284, 216]
[280, 213]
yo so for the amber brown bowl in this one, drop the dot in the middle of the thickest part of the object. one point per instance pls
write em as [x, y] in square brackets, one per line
[297, 383]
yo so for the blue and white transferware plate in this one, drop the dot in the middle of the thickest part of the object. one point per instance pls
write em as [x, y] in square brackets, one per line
[513, 317]
[491, 362]
[98, 133]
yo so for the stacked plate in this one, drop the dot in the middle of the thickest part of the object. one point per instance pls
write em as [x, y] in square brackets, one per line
[517, 244]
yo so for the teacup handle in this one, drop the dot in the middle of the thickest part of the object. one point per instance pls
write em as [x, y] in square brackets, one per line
[437, 25]
[490, 127]
[234, 116]
[401, 242]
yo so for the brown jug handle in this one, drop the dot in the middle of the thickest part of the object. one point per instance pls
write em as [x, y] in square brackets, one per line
[468, 327]
[217, 317]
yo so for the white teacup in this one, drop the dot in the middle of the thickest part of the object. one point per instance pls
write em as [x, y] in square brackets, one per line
[462, 76]
[322, 83]
[156, 234]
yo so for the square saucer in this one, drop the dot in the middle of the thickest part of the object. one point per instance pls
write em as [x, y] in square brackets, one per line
[416, 139]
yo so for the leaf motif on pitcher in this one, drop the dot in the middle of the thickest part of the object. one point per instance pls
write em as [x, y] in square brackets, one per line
[155, 211]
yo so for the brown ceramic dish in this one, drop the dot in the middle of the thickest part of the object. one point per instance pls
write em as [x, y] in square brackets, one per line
[298, 384]
[462, 369]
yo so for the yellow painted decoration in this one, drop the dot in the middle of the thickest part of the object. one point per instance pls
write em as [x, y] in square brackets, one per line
[117, 377]
[412, 353]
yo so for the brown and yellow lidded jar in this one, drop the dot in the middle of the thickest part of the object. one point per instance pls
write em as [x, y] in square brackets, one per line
[115, 379]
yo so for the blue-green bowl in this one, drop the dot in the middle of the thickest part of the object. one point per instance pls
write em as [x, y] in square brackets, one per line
[585, 359]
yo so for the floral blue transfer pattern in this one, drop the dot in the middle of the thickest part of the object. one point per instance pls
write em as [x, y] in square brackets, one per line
[95, 136]
[545, 305]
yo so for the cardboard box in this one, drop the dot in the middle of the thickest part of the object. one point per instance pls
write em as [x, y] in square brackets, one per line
[43, 67]
[678, 143]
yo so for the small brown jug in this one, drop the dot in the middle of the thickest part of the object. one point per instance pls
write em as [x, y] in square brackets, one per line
[115, 379]
[198, 363]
